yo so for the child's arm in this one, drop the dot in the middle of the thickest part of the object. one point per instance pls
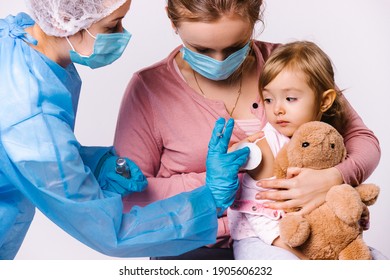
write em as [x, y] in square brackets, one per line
[265, 169]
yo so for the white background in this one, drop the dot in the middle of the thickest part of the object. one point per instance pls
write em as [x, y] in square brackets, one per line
[355, 34]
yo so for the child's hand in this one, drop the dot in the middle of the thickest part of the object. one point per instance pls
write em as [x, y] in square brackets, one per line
[250, 139]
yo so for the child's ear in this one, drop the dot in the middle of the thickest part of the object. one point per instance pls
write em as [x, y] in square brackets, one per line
[328, 98]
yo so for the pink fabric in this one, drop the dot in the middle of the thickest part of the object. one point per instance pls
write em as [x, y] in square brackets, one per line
[165, 127]
[249, 126]
[255, 208]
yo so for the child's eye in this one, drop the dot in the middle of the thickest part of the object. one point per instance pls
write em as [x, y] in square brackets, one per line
[267, 100]
[291, 99]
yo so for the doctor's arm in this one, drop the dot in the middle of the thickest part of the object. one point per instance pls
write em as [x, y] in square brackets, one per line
[54, 177]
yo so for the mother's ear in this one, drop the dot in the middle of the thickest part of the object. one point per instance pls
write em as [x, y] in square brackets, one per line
[172, 24]
[328, 98]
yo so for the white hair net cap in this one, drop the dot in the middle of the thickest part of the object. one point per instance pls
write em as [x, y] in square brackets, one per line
[63, 18]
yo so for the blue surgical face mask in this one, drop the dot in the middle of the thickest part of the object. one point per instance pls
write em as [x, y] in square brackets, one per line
[107, 48]
[214, 69]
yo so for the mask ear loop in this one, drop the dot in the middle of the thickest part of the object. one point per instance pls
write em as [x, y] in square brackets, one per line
[70, 44]
[90, 34]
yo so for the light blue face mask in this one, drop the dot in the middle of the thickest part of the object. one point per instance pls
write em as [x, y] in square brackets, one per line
[214, 69]
[107, 48]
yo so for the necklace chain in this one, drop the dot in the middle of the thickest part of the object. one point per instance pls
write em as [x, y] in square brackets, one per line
[238, 93]
[197, 83]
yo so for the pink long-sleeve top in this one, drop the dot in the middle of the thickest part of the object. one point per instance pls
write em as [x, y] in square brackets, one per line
[164, 126]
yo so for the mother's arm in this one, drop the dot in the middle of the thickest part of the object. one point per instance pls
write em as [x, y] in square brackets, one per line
[363, 150]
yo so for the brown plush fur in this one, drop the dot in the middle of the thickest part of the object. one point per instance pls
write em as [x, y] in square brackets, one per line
[332, 230]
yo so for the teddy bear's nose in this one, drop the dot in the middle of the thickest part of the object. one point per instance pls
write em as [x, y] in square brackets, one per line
[305, 144]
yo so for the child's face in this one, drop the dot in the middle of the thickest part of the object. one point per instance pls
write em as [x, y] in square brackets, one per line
[289, 102]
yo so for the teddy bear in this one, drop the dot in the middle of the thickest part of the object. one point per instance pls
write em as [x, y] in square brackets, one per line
[332, 230]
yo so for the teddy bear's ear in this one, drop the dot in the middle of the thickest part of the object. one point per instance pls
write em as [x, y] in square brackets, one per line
[344, 154]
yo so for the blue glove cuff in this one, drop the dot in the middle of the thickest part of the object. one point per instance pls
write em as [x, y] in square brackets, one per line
[102, 161]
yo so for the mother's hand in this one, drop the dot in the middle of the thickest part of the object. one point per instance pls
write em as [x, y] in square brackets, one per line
[303, 189]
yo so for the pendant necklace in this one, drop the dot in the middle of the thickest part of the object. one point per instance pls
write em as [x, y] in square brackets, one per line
[238, 93]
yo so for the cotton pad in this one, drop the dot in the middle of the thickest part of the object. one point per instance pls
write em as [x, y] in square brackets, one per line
[254, 158]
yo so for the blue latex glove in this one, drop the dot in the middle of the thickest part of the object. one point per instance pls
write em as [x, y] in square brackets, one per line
[110, 180]
[222, 167]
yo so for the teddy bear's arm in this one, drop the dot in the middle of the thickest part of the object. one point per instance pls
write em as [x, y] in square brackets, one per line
[356, 250]
[281, 163]
[368, 193]
[294, 230]
[345, 203]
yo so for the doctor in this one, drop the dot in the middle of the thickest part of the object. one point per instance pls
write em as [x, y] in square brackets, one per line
[43, 165]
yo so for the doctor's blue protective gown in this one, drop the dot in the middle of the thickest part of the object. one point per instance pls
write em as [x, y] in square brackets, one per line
[43, 165]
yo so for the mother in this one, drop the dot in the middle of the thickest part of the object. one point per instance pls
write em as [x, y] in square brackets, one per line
[169, 109]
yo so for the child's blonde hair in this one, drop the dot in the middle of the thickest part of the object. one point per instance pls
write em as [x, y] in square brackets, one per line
[307, 57]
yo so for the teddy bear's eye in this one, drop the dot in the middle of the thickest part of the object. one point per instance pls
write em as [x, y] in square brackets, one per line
[305, 144]
[332, 145]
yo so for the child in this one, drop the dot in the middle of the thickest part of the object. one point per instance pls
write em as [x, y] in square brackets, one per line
[297, 86]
